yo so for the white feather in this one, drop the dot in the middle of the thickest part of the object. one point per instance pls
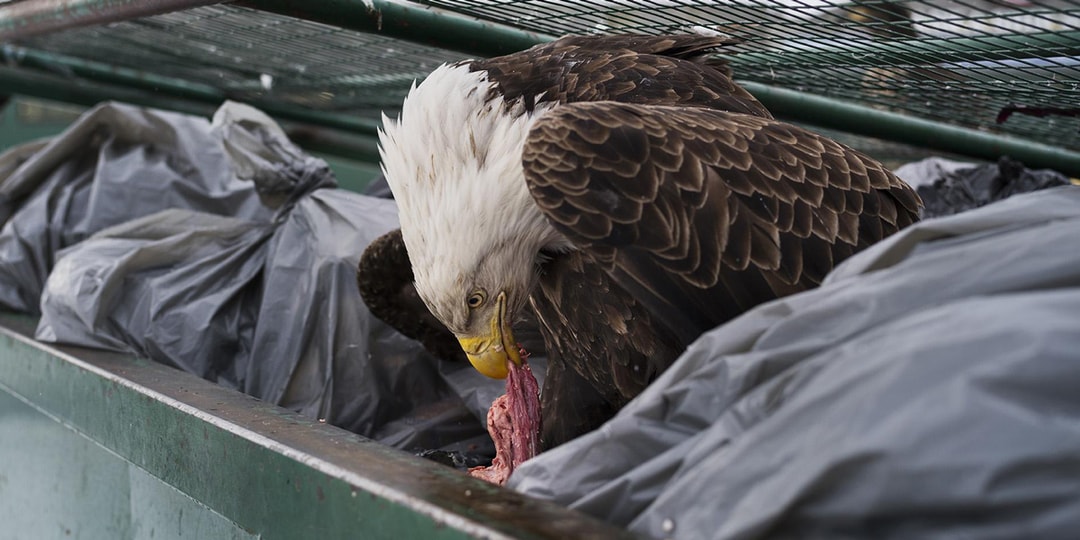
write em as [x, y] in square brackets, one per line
[453, 163]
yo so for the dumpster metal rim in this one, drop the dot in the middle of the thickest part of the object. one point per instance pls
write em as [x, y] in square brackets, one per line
[269, 443]
[435, 493]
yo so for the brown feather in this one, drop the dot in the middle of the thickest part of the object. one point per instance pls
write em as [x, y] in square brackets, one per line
[670, 70]
[737, 213]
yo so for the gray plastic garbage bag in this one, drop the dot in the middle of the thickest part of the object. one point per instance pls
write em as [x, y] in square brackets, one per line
[124, 289]
[928, 389]
[115, 163]
[268, 306]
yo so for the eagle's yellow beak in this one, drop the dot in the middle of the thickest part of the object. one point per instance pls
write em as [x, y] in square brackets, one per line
[489, 354]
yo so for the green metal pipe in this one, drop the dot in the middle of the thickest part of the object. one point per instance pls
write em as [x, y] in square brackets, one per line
[331, 119]
[82, 92]
[336, 141]
[34, 17]
[127, 78]
[112, 74]
[834, 114]
[827, 52]
[408, 21]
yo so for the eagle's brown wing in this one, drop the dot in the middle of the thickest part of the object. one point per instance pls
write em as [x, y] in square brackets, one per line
[702, 214]
[658, 70]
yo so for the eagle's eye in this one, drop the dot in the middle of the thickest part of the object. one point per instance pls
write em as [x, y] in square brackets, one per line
[476, 299]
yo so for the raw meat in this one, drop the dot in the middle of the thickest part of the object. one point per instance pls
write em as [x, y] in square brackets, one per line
[514, 425]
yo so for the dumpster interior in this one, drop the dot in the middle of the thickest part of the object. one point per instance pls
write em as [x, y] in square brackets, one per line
[193, 183]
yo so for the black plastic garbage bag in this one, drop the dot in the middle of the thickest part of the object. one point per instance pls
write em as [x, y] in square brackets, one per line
[955, 188]
[116, 163]
[928, 389]
[269, 305]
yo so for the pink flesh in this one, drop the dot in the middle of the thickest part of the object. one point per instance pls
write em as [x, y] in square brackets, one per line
[514, 425]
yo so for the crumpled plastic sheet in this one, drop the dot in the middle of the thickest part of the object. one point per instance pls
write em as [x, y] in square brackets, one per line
[929, 170]
[115, 163]
[224, 250]
[928, 389]
[949, 187]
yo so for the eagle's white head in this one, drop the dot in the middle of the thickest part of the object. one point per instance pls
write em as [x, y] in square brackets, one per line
[473, 232]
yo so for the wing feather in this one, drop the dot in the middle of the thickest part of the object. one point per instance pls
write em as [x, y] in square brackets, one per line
[702, 213]
[669, 70]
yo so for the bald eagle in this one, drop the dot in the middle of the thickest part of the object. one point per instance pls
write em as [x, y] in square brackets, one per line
[626, 192]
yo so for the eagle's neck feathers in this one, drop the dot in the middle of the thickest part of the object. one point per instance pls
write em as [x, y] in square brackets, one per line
[453, 162]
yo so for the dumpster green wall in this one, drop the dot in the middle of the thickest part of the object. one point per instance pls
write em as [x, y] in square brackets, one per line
[57, 484]
[24, 120]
